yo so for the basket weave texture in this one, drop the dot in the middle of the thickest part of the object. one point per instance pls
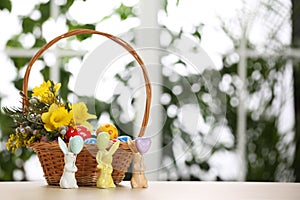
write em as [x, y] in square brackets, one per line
[52, 161]
[49, 153]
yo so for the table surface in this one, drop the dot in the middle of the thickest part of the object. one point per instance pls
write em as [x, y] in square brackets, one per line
[157, 190]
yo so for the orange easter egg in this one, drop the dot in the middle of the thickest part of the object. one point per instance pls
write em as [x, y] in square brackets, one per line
[110, 129]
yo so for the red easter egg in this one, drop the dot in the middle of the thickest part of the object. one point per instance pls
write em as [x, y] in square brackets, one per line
[84, 132]
[71, 132]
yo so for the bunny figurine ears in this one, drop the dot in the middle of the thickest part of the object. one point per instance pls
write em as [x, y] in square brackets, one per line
[75, 145]
[68, 179]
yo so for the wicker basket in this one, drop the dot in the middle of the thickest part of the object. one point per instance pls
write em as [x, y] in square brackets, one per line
[49, 153]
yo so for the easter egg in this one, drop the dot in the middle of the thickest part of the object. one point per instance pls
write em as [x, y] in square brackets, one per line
[84, 132]
[90, 141]
[71, 132]
[110, 129]
[123, 138]
[76, 144]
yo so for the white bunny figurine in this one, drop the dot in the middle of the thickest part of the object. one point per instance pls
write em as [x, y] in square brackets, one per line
[68, 179]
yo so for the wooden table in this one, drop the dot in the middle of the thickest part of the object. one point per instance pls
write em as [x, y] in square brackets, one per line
[156, 190]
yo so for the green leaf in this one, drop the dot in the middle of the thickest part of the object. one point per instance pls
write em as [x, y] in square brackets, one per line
[18, 83]
[130, 65]
[197, 35]
[64, 77]
[5, 125]
[46, 73]
[124, 11]
[65, 8]
[78, 26]
[165, 6]
[20, 62]
[204, 166]
[5, 4]
[14, 42]
[106, 17]
[45, 11]
[39, 42]
[28, 25]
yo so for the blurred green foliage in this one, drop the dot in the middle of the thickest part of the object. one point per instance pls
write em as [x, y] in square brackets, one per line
[5, 4]
[296, 75]
[265, 160]
[268, 156]
[12, 163]
[125, 11]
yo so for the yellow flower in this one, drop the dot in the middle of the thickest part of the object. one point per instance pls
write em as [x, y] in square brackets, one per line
[81, 115]
[46, 92]
[10, 142]
[14, 142]
[56, 88]
[30, 140]
[56, 117]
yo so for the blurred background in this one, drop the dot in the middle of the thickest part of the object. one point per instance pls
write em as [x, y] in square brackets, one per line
[233, 116]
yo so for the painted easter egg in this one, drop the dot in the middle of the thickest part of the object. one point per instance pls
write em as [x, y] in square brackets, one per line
[90, 141]
[71, 132]
[123, 138]
[110, 129]
[84, 132]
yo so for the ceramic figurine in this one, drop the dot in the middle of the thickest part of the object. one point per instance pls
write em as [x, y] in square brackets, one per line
[138, 179]
[142, 144]
[104, 160]
[68, 179]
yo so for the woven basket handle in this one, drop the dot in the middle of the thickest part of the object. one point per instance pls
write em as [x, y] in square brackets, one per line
[115, 39]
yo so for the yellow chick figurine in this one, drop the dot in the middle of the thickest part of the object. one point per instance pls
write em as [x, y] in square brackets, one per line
[110, 129]
[104, 160]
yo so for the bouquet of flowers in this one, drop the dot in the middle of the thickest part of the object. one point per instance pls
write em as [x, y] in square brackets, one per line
[46, 117]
